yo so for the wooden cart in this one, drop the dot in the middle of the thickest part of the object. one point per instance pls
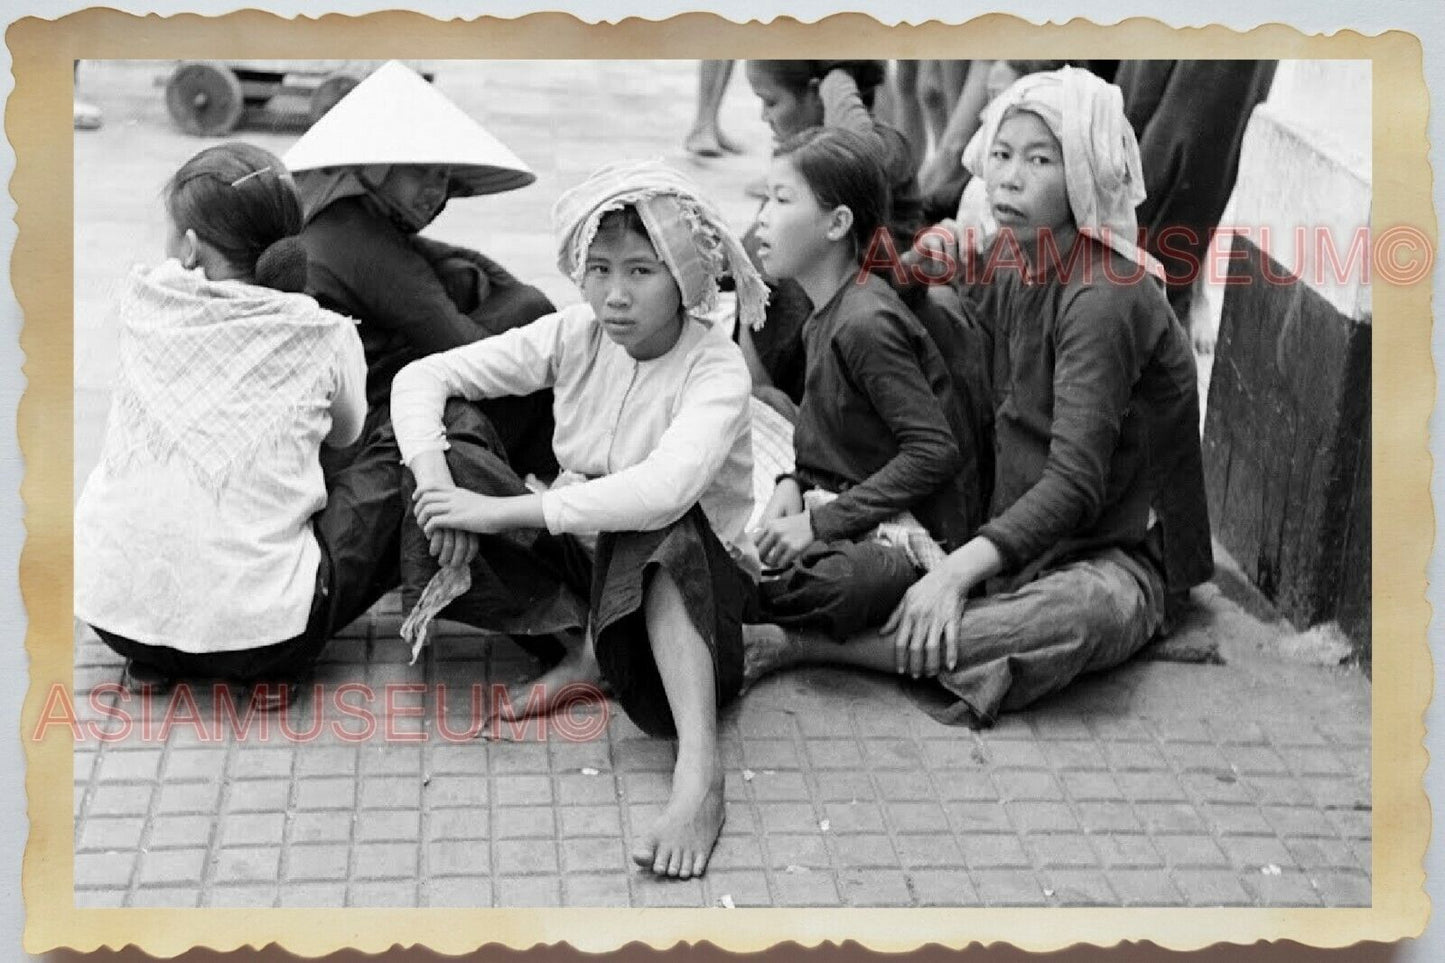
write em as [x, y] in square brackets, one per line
[213, 97]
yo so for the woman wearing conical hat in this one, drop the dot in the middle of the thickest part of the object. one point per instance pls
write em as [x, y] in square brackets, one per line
[372, 173]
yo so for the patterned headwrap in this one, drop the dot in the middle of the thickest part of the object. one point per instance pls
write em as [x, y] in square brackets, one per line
[689, 233]
[1102, 171]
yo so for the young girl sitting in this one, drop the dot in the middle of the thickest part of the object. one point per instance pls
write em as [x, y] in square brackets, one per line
[652, 437]
[1098, 524]
[797, 95]
[874, 426]
[206, 541]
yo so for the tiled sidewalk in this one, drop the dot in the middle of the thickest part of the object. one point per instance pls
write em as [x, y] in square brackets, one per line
[1160, 784]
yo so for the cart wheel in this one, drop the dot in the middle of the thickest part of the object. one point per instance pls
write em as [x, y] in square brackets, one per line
[328, 92]
[204, 98]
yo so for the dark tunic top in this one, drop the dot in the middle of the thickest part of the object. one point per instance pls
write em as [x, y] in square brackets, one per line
[779, 342]
[874, 423]
[1096, 418]
[405, 289]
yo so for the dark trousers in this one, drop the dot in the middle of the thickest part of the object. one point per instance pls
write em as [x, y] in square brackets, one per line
[839, 587]
[530, 583]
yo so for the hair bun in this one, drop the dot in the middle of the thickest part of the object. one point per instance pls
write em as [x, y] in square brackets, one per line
[283, 265]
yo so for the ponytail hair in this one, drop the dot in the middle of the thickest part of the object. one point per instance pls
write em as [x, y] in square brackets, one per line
[841, 168]
[240, 200]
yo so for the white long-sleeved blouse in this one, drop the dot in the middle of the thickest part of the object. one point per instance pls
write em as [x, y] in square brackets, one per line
[653, 437]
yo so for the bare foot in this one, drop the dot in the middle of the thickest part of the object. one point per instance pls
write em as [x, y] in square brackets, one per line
[539, 696]
[730, 145]
[766, 648]
[1203, 342]
[680, 843]
[704, 142]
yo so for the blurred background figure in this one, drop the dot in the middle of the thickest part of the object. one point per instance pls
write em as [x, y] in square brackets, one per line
[87, 116]
[920, 98]
[706, 138]
[1189, 116]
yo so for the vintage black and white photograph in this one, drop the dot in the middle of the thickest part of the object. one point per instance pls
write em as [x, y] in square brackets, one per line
[722, 483]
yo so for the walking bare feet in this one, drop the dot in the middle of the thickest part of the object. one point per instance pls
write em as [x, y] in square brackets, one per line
[680, 843]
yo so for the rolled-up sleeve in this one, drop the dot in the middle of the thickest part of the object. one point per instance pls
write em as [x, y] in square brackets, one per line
[516, 362]
[712, 413]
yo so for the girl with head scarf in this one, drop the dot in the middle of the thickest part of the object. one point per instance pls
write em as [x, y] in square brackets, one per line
[648, 518]
[1097, 525]
[373, 173]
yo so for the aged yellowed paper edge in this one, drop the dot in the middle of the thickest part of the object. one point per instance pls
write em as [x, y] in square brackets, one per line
[38, 125]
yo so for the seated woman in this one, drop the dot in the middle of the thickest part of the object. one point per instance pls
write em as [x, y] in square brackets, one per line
[207, 542]
[643, 539]
[875, 438]
[1098, 524]
[375, 171]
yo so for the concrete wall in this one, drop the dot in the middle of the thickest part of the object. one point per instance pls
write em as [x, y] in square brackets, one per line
[1287, 427]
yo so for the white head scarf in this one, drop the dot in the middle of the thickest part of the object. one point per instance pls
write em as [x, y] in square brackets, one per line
[690, 234]
[1102, 172]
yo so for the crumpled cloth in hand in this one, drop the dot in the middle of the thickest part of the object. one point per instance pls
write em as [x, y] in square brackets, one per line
[901, 531]
[450, 582]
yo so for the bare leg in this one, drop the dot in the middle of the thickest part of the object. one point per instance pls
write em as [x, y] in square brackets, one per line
[962, 122]
[706, 139]
[909, 109]
[681, 841]
[768, 648]
[932, 100]
[953, 75]
[87, 116]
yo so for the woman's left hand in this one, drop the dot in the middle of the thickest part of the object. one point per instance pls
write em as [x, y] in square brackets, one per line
[784, 539]
[454, 547]
[441, 508]
[924, 626]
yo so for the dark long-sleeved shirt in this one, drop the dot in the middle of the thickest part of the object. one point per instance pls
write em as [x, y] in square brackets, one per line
[1096, 418]
[363, 266]
[872, 423]
[779, 342]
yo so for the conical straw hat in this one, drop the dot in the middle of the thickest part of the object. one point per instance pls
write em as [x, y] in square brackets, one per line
[396, 117]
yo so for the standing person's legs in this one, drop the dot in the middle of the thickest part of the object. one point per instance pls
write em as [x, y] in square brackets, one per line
[706, 138]
[907, 108]
[87, 115]
[933, 100]
[953, 74]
